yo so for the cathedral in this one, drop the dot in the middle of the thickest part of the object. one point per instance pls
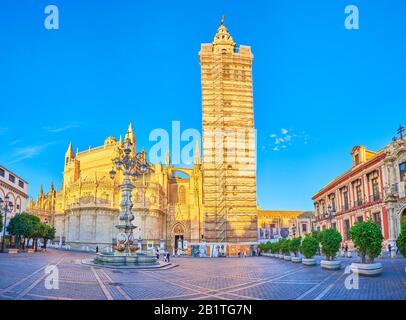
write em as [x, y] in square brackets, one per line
[213, 201]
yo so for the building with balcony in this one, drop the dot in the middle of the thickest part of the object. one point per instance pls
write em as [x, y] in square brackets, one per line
[356, 195]
[16, 189]
[395, 185]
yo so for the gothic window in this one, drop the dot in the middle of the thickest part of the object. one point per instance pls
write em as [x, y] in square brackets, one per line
[402, 169]
[182, 194]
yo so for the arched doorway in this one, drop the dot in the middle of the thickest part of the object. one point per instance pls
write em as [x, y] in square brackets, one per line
[178, 236]
[399, 218]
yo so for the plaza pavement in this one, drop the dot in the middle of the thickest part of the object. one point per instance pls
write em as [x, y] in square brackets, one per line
[22, 276]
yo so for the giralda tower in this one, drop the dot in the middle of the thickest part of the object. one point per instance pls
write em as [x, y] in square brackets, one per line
[229, 153]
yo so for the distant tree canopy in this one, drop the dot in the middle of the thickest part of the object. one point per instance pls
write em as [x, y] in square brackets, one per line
[29, 226]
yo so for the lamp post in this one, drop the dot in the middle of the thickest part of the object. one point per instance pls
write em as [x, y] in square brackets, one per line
[294, 230]
[6, 207]
[132, 167]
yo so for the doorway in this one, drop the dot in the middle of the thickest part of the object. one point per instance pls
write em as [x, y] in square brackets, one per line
[178, 242]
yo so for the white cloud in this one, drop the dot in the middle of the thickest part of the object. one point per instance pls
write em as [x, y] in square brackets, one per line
[285, 140]
[71, 125]
[28, 152]
[14, 142]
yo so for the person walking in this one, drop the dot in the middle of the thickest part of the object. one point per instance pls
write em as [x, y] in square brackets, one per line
[389, 249]
[346, 249]
[239, 253]
[157, 253]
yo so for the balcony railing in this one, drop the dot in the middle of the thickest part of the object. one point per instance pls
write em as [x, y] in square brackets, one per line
[358, 203]
[375, 197]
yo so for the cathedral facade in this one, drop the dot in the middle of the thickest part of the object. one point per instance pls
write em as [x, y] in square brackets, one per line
[213, 201]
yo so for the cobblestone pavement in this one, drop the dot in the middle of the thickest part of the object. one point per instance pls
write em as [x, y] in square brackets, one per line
[22, 276]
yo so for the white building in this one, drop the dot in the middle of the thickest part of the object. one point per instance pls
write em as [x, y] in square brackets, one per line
[16, 189]
[395, 185]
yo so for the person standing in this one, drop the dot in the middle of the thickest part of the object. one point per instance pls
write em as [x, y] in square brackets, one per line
[157, 253]
[239, 253]
[389, 249]
[346, 249]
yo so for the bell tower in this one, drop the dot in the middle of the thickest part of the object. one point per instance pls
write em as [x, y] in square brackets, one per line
[229, 168]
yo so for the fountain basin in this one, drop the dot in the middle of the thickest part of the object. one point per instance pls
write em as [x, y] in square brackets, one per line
[124, 260]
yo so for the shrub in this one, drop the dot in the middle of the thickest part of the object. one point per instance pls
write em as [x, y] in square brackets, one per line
[401, 241]
[294, 245]
[265, 247]
[285, 247]
[367, 238]
[309, 246]
[330, 240]
[276, 247]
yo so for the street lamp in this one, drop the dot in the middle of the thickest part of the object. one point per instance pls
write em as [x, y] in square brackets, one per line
[6, 207]
[132, 166]
[294, 230]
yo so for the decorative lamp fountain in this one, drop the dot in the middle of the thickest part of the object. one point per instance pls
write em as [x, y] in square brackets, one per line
[125, 251]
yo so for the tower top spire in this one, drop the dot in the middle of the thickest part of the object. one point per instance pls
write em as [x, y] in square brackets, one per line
[222, 19]
[130, 134]
[223, 40]
[69, 155]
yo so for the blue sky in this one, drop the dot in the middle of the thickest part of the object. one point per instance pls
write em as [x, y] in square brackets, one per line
[319, 89]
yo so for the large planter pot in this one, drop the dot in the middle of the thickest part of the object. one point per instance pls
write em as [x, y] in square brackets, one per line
[279, 256]
[296, 259]
[287, 258]
[367, 269]
[330, 265]
[272, 255]
[309, 262]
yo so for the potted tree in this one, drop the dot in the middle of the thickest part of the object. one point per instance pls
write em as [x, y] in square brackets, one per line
[265, 249]
[272, 247]
[277, 248]
[309, 249]
[294, 246]
[286, 250]
[367, 238]
[330, 240]
[401, 241]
